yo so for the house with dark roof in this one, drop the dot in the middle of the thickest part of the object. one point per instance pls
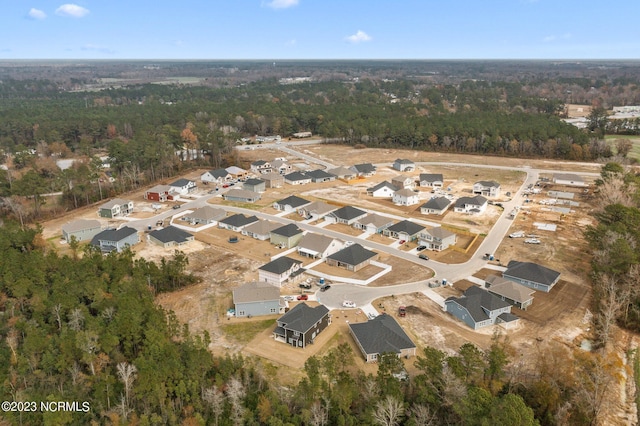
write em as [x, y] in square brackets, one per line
[347, 215]
[404, 230]
[261, 166]
[236, 222]
[510, 291]
[531, 275]
[343, 173]
[260, 230]
[160, 193]
[279, 271]
[170, 237]
[255, 185]
[290, 204]
[320, 176]
[286, 236]
[403, 181]
[436, 205]
[297, 178]
[241, 195]
[116, 208]
[486, 188]
[478, 308]
[218, 176]
[373, 223]
[381, 335]
[352, 258]
[405, 197]
[273, 180]
[81, 229]
[183, 186]
[204, 216]
[256, 299]
[115, 239]
[431, 180]
[365, 169]
[437, 239]
[301, 325]
[382, 190]
[317, 246]
[471, 205]
[404, 165]
[316, 210]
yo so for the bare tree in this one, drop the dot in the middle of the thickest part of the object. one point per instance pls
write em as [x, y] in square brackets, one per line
[215, 399]
[236, 393]
[611, 300]
[127, 374]
[319, 414]
[76, 319]
[388, 412]
[614, 190]
[623, 147]
[422, 415]
[75, 372]
[57, 310]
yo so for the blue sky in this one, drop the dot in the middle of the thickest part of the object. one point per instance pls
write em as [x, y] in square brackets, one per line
[320, 29]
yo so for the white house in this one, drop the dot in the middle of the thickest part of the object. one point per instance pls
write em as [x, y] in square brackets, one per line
[403, 181]
[405, 197]
[487, 188]
[436, 205]
[471, 205]
[217, 176]
[431, 180]
[279, 271]
[296, 178]
[437, 238]
[261, 166]
[404, 165]
[382, 190]
[183, 186]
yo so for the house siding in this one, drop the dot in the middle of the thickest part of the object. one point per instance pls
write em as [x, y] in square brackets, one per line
[288, 242]
[255, 309]
[530, 284]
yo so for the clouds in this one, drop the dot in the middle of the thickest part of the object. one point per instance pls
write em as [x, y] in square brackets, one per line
[72, 11]
[359, 37]
[552, 38]
[36, 14]
[281, 4]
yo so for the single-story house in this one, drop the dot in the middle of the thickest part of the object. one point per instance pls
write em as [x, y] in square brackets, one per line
[486, 188]
[510, 291]
[81, 229]
[380, 335]
[254, 185]
[170, 236]
[365, 169]
[116, 239]
[437, 238]
[301, 325]
[256, 299]
[317, 246]
[261, 166]
[405, 197]
[297, 178]
[281, 167]
[478, 308]
[273, 180]
[373, 223]
[403, 181]
[236, 172]
[404, 165]
[471, 205]
[431, 180]
[279, 270]
[260, 230]
[569, 179]
[183, 186]
[218, 176]
[404, 230]
[204, 215]
[343, 173]
[531, 275]
[436, 205]
[241, 195]
[286, 236]
[382, 190]
[236, 222]
[352, 258]
[116, 208]
[320, 176]
[290, 204]
[347, 215]
[316, 210]
[160, 193]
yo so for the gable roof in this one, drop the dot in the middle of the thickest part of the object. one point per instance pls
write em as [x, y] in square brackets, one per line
[509, 289]
[259, 163]
[302, 317]
[341, 171]
[475, 299]
[218, 173]
[159, 189]
[364, 168]
[293, 201]
[406, 192]
[288, 230]
[478, 200]
[436, 203]
[171, 234]
[348, 213]
[406, 226]
[238, 220]
[295, 176]
[382, 184]
[207, 213]
[320, 207]
[81, 225]
[401, 178]
[255, 292]
[181, 182]
[261, 227]
[253, 182]
[488, 183]
[271, 176]
[530, 271]
[353, 255]
[315, 242]
[241, 193]
[431, 177]
[115, 202]
[568, 176]
[234, 170]
[440, 232]
[381, 334]
[319, 174]
[279, 265]
[375, 220]
[113, 235]
[403, 161]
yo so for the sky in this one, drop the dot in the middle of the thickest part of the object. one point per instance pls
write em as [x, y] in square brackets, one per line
[320, 29]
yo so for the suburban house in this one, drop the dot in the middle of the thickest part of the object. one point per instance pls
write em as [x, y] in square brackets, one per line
[159, 193]
[352, 258]
[478, 308]
[115, 239]
[380, 335]
[183, 186]
[241, 195]
[297, 178]
[316, 210]
[471, 205]
[405, 197]
[317, 246]
[404, 165]
[509, 291]
[236, 172]
[301, 325]
[486, 188]
[568, 179]
[301, 135]
[347, 215]
[437, 239]
[373, 223]
[260, 230]
[286, 236]
[273, 180]
[343, 173]
[281, 167]
[255, 185]
[382, 190]
[279, 270]
[81, 229]
[531, 275]
[170, 236]
[403, 181]
[115, 208]
[261, 166]
[236, 222]
[404, 230]
[290, 204]
[320, 176]
[436, 205]
[431, 180]
[365, 169]
[204, 216]
[218, 176]
[256, 299]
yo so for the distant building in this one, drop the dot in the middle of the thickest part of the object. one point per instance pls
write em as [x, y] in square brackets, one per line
[218, 176]
[381, 335]
[204, 216]
[301, 325]
[352, 258]
[431, 180]
[471, 205]
[116, 208]
[568, 179]
[531, 275]
[403, 181]
[365, 169]
[486, 188]
[81, 229]
[241, 195]
[291, 203]
[255, 185]
[183, 186]
[404, 230]
[478, 308]
[286, 236]
[405, 197]
[382, 190]
[170, 237]
[279, 270]
[437, 239]
[404, 165]
[115, 239]
[436, 205]
[347, 215]
[256, 299]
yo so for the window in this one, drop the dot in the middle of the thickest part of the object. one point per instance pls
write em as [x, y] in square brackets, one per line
[273, 310]
[240, 313]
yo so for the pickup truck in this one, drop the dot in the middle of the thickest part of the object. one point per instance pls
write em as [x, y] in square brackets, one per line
[518, 234]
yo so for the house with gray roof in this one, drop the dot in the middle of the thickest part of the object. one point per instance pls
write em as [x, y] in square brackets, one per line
[316, 210]
[260, 230]
[404, 165]
[403, 181]
[281, 167]
[384, 189]
[204, 216]
[170, 237]
[183, 186]
[437, 239]
[347, 215]
[352, 258]
[241, 195]
[317, 246]
[436, 205]
[81, 229]
[218, 176]
[297, 178]
[290, 204]
[116, 208]
[364, 169]
[301, 325]
[510, 291]
[255, 185]
[431, 180]
[381, 335]
[236, 222]
[531, 275]
[256, 299]
[286, 236]
[404, 230]
[478, 308]
[405, 197]
[343, 173]
[273, 180]
[471, 205]
[261, 166]
[568, 179]
[486, 188]
[373, 223]
[318, 176]
[115, 239]
[280, 270]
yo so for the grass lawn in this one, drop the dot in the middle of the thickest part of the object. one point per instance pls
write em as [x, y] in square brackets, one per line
[245, 331]
[635, 140]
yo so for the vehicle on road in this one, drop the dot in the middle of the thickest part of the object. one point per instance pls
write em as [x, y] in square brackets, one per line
[289, 298]
[349, 304]
[423, 256]
[176, 207]
[402, 311]
[226, 185]
[325, 287]
[532, 241]
[303, 297]
[420, 248]
[401, 242]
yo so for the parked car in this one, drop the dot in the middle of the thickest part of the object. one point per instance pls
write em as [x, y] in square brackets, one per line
[226, 185]
[304, 285]
[176, 207]
[518, 234]
[402, 311]
[349, 304]
[532, 241]
[401, 242]
[420, 248]
[325, 287]
[423, 256]
[289, 298]
[303, 297]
